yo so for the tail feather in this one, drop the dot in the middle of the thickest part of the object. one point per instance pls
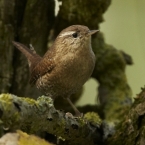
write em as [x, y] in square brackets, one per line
[32, 57]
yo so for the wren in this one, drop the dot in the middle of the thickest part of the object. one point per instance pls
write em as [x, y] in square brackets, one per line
[66, 66]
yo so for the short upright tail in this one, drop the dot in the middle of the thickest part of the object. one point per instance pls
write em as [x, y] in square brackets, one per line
[32, 57]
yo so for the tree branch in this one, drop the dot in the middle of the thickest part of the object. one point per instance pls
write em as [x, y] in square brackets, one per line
[35, 116]
[131, 131]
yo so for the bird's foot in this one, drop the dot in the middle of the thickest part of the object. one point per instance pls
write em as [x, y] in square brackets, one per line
[78, 114]
[69, 115]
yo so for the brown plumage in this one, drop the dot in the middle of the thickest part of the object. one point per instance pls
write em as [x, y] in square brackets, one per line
[66, 66]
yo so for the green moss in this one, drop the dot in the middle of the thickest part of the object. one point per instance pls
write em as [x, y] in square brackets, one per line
[29, 100]
[114, 93]
[25, 139]
[93, 118]
[6, 97]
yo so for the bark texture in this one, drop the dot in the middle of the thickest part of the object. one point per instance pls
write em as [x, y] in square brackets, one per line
[38, 116]
[131, 131]
[7, 33]
[29, 22]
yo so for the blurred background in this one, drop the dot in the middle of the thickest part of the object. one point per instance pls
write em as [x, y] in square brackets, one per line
[121, 22]
[124, 28]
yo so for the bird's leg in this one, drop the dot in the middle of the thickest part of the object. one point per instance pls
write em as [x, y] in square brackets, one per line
[77, 112]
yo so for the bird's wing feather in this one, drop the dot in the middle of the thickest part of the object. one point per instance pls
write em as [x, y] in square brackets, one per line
[46, 65]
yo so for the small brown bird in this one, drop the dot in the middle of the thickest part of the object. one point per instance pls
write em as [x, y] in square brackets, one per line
[66, 66]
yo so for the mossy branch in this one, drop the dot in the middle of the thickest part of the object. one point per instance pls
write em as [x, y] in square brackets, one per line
[131, 131]
[34, 116]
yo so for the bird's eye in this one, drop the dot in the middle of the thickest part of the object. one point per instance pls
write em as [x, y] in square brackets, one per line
[75, 35]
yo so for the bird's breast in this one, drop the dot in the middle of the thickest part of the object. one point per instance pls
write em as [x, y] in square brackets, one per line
[70, 73]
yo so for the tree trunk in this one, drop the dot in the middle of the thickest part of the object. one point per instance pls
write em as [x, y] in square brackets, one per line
[29, 22]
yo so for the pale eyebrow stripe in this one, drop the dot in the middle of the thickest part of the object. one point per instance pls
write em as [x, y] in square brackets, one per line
[66, 33]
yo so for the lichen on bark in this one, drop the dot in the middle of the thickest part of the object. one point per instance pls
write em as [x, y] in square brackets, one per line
[131, 129]
[36, 116]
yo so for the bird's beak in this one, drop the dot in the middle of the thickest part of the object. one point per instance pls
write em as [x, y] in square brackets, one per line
[91, 32]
